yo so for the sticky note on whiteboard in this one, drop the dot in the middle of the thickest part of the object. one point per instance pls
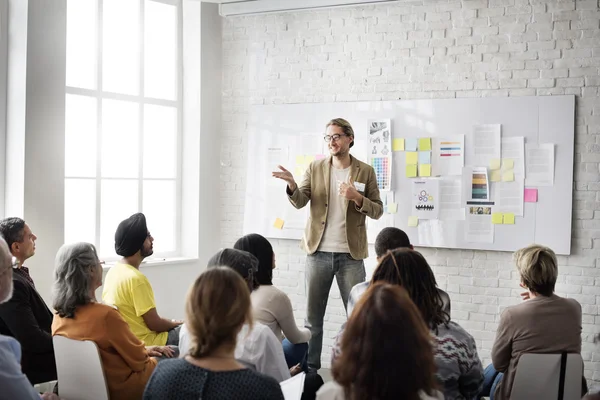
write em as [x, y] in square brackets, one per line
[424, 170]
[497, 218]
[392, 208]
[531, 195]
[495, 175]
[413, 221]
[508, 176]
[424, 144]
[495, 163]
[278, 223]
[398, 145]
[412, 157]
[411, 171]
[509, 219]
[508, 163]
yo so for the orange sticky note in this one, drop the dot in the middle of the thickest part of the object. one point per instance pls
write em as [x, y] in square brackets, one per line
[278, 223]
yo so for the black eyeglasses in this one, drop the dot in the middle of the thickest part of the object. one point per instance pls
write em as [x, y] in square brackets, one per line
[335, 138]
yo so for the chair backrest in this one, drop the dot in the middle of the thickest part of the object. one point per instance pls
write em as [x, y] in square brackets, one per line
[538, 377]
[79, 369]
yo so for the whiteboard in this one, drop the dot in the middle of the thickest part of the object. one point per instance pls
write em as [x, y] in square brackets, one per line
[299, 128]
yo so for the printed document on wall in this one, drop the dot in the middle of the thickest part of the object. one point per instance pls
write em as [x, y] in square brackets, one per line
[513, 148]
[508, 197]
[451, 204]
[539, 164]
[483, 144]
[478, 226]
[448, 155]
[425, 198]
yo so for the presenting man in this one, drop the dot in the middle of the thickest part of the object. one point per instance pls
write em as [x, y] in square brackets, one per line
[342, 191]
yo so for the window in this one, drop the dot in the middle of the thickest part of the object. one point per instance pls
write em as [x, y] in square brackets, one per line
[123, 120]
[3, 96]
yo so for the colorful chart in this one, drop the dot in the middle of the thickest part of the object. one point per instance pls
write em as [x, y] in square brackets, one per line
[479, 187]
[382, 172]
[450, 149]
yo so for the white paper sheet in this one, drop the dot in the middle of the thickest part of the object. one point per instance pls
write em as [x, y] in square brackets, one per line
[539, 163]
[514, 148]
[448, 155]
[479, 228]
[425, 198]
[292, 388]
[451, 204]
[483, 144]
[509, 197]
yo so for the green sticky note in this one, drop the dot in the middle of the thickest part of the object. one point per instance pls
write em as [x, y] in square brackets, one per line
[412, 157]
[509, 219]
[392, 208]
[497, 218]
[424, 170]
[508, 163]
[413, 221]
[398, 145]
[495, 163]
[508, 176]
[495, 176]
[411, 171]
[424, 144]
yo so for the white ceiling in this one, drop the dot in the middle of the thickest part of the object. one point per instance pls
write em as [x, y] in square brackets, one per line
[226, 1]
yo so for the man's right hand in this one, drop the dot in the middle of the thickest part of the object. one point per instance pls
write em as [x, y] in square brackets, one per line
[286, 176]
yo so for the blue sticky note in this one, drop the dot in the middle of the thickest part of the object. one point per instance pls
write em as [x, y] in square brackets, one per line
[424, 157]
[410, 144]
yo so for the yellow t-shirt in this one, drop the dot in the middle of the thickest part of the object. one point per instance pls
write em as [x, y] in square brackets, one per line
[130, 291]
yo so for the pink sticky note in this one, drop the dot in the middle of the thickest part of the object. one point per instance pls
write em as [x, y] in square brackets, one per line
[319, 156]
[531, 195]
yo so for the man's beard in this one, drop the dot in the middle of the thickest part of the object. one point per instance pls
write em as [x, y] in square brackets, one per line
[147, 253]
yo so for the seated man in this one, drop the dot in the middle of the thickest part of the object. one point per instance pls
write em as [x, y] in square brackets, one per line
[26, 316]
[126, 288]
[13, 382]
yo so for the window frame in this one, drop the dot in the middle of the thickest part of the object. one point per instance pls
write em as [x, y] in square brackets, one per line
[3, 101]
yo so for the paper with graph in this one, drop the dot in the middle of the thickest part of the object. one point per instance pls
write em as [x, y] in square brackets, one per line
[426, 198]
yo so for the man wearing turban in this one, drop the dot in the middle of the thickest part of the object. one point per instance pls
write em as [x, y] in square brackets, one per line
[128, 289]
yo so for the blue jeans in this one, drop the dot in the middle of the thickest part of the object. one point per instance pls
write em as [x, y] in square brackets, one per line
[491, 378]
[295, 354]
[321, 268]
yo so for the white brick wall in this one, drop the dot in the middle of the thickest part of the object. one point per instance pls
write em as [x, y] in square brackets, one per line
[427, 49]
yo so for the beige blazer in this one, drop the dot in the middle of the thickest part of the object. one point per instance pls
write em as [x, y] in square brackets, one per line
[315, 188]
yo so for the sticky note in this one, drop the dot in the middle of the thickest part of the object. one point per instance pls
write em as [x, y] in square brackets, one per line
[508, 163]
[298, 171]
[412, 157]
[299, 160]
[413, 221]
[531, 195]
[278, 223]
[319, 156]
[424, 157]
[411, 171]
[425, 170]
[424, 144]
[509, 219]
[398, 145]
[495, 176]
[495, 163]
[496, 218]
[392, 208]
[508, 176]
[309, 159]
[410, 144]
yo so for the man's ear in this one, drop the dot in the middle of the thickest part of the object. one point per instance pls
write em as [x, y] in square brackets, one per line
[14, 247]
[411, 247]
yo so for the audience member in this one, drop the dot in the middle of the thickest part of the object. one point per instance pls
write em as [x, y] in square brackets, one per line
[257, 346]
[273, 307]
[26, 316]
[13, 383]
[128, 289]
[543, 323]
[386, 351]
[459, 369]
[217, 307]
[126, 363]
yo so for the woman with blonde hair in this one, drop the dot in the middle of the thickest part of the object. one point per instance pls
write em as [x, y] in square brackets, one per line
[217, 307]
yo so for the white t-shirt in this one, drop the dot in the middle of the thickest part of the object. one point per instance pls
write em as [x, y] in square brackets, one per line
[333, 391]
[257, 348]
[334, 237]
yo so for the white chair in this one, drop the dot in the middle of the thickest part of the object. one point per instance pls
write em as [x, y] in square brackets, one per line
[79, 369]
[538, 377]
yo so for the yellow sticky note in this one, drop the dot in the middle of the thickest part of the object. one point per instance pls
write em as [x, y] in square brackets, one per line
[508, 176]
[509, 219]
[309, 159]
[278, 223]
[424, 144]
[495, 176]
[424, 169]
[412, 157]
[497, 218]
[411, 171]
[413, 221]
[298, 171]
[398, 145]
[299, 160]
[392, 208]
[508, 163]
[495, 163]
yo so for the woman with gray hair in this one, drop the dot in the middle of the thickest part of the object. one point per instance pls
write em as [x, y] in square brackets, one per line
[126, 362]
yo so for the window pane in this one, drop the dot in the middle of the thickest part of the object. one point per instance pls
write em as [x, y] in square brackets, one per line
[160, 142]
[81, 43]
[160, 50]
[80, 210]
[80, 136]
[120, 139]
[121, 46]
[119, 200]
[159, 205]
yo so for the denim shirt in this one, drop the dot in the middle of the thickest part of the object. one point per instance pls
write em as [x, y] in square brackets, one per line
[13, 382]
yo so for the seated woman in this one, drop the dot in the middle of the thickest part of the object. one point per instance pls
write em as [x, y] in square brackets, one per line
[386, 351]
[273, 307]
[459, 369]
[217, 307]
[257, 347]
[543, 323]
[126, 362]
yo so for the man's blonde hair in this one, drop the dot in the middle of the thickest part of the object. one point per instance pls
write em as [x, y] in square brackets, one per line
[538, 268]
